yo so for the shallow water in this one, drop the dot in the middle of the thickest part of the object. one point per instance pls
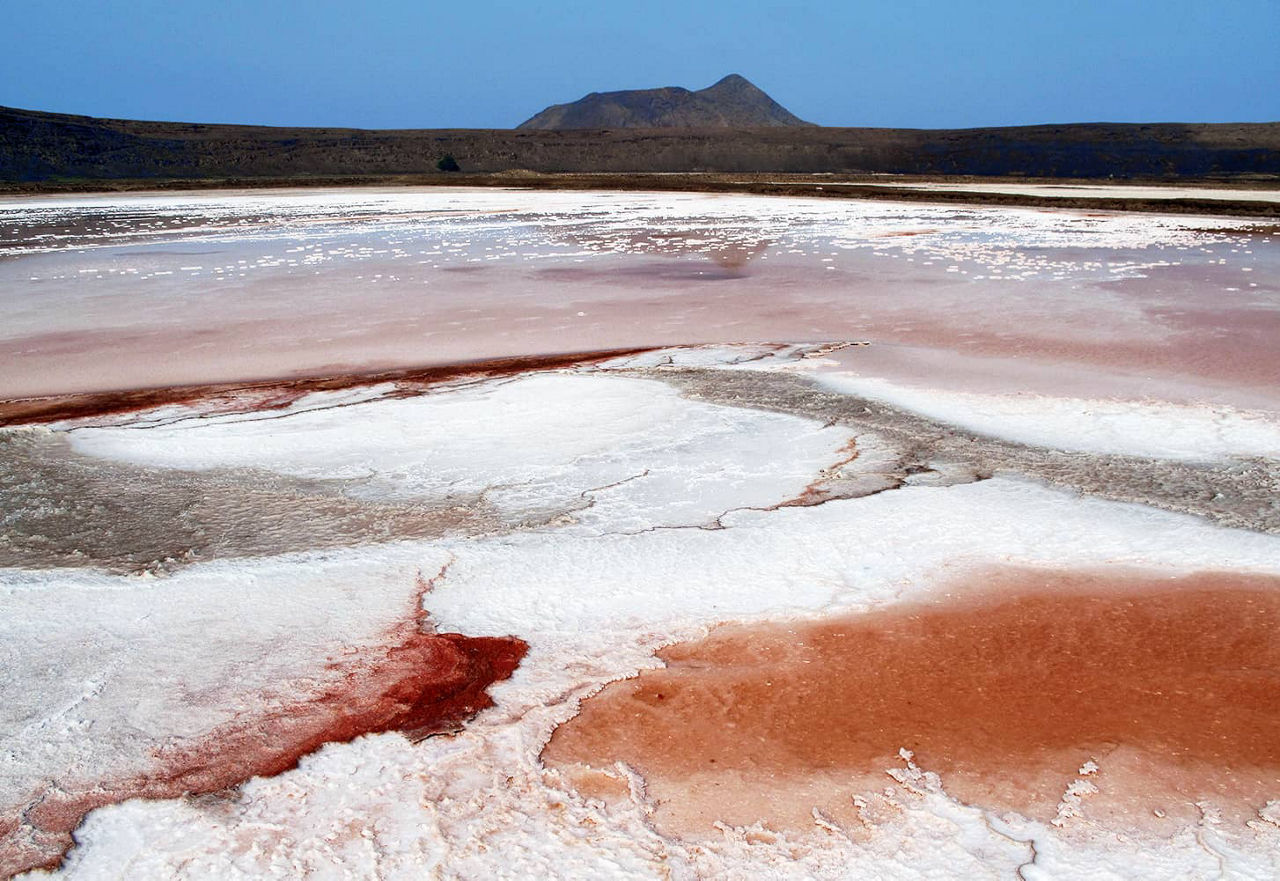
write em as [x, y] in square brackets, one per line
[138, 291]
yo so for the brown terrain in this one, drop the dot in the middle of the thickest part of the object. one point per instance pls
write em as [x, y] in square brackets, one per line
[1006, 688]
[733, 102]
[48, 151]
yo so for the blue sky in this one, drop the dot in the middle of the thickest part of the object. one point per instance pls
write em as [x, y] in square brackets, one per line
[476, 63]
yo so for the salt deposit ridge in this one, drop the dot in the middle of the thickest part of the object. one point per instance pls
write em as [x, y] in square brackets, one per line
[972, 405]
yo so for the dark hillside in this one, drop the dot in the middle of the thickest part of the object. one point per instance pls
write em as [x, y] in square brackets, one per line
[733, 102]
[37, 146]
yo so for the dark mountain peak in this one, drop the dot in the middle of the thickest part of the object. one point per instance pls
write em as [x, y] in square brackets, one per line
[732, 102]
[738, 88]
[733, 82]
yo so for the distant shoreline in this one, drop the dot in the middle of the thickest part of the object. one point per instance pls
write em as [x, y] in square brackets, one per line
[838, 186]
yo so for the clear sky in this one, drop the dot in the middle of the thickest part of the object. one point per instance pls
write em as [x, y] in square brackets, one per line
[490, 64]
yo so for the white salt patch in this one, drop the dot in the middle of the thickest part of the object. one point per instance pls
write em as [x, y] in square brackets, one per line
[842, 555]
[1157, 429]
[633, 450]
[1095, 191]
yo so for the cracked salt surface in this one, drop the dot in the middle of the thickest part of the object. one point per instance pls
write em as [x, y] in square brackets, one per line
[531, 445]
[593, 603]
[482, 805]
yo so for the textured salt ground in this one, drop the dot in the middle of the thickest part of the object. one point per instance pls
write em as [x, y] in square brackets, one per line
[791, 394]
[63, 509]
[1067, 191]
[420, 683]
[1242, 492]
[1006, 687]
[593, 610]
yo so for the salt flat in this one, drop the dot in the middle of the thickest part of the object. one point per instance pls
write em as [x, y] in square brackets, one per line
[116, 292]
[844, 413]
[1097, 191]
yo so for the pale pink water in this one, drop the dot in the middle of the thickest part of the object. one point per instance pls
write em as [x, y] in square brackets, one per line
[129, 292]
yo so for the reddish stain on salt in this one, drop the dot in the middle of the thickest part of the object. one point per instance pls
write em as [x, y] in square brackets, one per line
[422, 683]
[278, 394]
[1005, 690]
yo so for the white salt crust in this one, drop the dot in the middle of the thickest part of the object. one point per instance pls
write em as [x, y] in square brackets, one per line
[633, 450]
[1149, 428]
[594, 598]
[1093, 191]
[594, 608]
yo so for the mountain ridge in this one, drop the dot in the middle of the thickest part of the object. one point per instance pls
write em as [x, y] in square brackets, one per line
[42, 146]
[731, 102]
